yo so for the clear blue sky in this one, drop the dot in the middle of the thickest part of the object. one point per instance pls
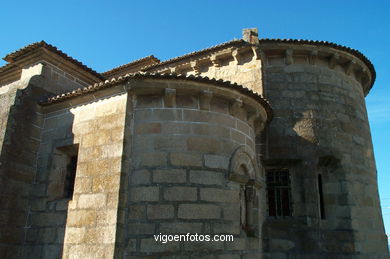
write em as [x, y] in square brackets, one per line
[105, 34]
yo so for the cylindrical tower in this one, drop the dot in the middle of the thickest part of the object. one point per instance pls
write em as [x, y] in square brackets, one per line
[320, 139]
[192, 167]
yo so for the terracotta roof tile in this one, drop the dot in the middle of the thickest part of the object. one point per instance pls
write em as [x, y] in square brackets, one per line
[232, 43]
[42, 44]
[150, 58]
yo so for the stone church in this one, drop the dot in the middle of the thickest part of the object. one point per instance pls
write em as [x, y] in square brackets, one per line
[266, 140]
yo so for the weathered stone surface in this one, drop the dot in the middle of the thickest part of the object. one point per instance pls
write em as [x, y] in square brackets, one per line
[177, 156]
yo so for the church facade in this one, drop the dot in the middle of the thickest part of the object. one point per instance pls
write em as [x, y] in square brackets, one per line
[263, 140]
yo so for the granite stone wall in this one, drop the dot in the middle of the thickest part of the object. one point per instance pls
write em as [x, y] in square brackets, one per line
[321, 127]
[179, 156]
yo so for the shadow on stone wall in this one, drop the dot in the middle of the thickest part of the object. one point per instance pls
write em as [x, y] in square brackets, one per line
[31, 226]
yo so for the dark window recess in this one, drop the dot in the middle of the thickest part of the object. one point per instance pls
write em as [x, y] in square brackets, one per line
[70, 177]
[321, 197]
[279, 193]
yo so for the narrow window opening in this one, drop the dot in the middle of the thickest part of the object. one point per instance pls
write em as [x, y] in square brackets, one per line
[70, 177]
[279, 193]
[321, 197]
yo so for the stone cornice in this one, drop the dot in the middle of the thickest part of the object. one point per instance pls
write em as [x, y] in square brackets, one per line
[198, 55]
[353, 62]
[115, 86]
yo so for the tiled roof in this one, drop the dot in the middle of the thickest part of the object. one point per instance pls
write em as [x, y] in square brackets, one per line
[6, 67]
[151, 59]
[354, 52]
[42, 44]
[232, 43]
[143, 75]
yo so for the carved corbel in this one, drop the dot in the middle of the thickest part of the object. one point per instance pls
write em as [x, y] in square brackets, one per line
[253, 116]
[289, 57]
[256, 53]
[170, 97]
[350, 67]
[236, 106]
[313, 57]
[259, 126]
[333, 60]
[195, 67]
[205, 100]
[236, 55]
[214, 60]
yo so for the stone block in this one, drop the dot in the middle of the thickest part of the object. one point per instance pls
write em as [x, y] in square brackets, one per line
[176, 128]
[100, 235]
[149, 101]
[187, 101]
[83, 185]
[199, 211]
[106, 217]
[167, 114]
[78, 218]
[137, 212]
[141, 228]
[186, 159]
[233, 228]
[150, 159]
[170, 143]
[232, 212]
[75, 235]
[160, 211]
[180, 194]
[180, 227]
[144, 193]
[151, 246]
[204, 145]
[169, 176]
[106, 183]
[216, 161]
[148, 128]
[196, 116]
[92, 201]
[210, 130]
[206, 177]
[140, 177]
[219, 195]
[199, 246]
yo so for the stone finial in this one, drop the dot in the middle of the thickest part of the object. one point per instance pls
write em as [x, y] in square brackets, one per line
[205, 99]
[250, 35]
[170, 97]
